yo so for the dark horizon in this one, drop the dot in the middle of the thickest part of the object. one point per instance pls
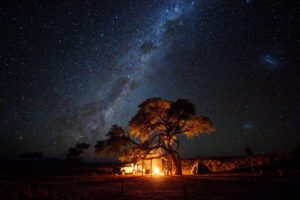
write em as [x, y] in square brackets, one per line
[71, 70]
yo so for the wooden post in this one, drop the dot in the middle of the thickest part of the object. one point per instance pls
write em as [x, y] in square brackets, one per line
[73, 183]
[184, 192]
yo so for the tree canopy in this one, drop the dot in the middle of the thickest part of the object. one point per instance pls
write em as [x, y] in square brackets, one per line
[162, 117]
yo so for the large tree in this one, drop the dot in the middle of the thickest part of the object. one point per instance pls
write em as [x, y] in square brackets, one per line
[156, 127]
[161, 122]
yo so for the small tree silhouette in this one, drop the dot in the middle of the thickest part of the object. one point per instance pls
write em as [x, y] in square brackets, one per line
[74, 152]
[248, 151]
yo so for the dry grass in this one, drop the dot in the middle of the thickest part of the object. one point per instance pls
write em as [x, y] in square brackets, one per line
[221, 186]
[21, 181]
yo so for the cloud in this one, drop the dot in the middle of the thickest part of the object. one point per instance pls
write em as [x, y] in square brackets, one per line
[272, 61]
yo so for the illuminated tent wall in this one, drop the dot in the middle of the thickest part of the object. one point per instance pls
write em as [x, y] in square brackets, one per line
[155, 164]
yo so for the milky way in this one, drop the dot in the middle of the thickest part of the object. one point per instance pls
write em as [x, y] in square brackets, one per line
[70, 71]
[130, 67]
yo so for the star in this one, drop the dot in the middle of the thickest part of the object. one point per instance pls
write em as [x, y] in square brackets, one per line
[248, 126]
[71, 72]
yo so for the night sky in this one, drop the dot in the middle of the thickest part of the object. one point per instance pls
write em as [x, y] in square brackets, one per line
[71, 70]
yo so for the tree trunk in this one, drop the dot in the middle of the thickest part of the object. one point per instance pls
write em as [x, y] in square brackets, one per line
[176, 162]
[179, 163]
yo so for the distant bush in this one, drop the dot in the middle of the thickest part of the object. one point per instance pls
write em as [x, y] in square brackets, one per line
[227, 164]
[32, 156]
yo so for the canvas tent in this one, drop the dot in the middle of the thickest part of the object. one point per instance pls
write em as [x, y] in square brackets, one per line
[200, 168]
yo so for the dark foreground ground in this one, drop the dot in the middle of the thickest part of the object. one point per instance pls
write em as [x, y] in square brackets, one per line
[214, 186]
[68, 181]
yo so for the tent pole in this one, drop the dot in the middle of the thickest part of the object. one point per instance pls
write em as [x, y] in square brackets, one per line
[151, 167]
[142, 167]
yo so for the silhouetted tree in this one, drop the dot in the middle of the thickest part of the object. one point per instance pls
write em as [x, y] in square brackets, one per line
[32, 156]
[157, 126]
[52, 159]
[248, 151]
[74, 152]
[119, 143]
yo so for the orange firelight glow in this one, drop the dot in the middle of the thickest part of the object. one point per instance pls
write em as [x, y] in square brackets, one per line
[156, 170]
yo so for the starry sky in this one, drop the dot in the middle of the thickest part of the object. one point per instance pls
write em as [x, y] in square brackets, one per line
[69, 70]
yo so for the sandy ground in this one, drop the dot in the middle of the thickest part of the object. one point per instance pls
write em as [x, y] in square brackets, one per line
[214, 186]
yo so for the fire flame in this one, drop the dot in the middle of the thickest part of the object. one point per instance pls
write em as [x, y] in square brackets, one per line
[156, 170]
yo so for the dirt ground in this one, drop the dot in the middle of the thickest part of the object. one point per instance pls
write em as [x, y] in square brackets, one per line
[213, 186]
